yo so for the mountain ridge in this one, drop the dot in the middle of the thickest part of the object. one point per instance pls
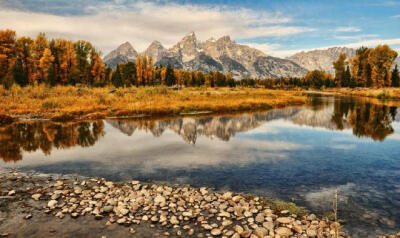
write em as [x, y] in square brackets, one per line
[223, 55]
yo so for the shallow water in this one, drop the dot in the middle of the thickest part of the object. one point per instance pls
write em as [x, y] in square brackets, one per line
[300, 154]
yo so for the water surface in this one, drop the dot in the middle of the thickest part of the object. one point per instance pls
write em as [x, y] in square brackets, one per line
[300, 154]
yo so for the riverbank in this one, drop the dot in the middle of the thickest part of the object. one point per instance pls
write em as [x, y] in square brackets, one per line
[381, 93]
[67, 206]
[68, 102]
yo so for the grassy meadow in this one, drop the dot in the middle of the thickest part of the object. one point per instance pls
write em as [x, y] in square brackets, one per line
[69, 102]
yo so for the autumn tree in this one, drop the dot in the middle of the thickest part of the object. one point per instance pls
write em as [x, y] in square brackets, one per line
[97, 69]
[316, 78]
[361, 68]
[23, 49]
[46, 65]
[65, 59]
[381, 60]
[83, 72]
[339, 66]
[38, 49]
[7, 55]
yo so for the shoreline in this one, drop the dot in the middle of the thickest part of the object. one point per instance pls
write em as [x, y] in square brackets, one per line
[135, 208]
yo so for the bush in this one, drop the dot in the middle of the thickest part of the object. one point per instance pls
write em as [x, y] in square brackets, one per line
[50, 105]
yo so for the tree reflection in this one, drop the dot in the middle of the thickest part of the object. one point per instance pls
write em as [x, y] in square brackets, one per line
[40, 135]
[365, 118]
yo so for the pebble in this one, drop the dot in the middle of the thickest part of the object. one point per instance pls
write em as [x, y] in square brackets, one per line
[283, 231]
[216, 232]
[284, 220]
[36, 196]
[121, 220]
[174, 220]
[52, 203]
[11, 193]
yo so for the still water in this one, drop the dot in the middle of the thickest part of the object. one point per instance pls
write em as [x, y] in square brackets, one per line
[300, 154]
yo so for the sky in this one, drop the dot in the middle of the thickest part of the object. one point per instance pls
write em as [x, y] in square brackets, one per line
[277, 27]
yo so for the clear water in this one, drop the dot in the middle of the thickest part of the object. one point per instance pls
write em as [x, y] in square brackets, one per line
[300, 154]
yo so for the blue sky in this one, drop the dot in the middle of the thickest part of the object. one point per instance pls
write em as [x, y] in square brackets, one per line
[278, 27]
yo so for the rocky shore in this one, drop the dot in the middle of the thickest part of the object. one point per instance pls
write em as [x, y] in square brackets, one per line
[65, 206]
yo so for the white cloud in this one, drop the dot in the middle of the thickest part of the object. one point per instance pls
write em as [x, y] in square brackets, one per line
[396, 16]
[142, 23]
[356, 37]
[347, 29]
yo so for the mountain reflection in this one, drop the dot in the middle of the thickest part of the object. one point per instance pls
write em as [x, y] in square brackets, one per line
[43, 135]
[366, 118]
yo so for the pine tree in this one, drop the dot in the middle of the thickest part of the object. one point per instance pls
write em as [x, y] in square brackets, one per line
[117, 77]
[347, 78]
[20, 76]
[169, 76]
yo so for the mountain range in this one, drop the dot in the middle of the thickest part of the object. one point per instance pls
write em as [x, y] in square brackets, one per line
[227, 56]
[221, 54]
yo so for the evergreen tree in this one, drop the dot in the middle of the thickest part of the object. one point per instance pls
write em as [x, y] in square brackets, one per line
[128, 74]
[347, 78]
[169, 76]
[20, 76]
[117, 78]
[395, 77]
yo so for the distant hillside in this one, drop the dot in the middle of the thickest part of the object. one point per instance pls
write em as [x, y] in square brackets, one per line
[323, 59]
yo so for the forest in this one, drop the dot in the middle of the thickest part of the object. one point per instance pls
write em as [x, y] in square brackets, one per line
[26, 61]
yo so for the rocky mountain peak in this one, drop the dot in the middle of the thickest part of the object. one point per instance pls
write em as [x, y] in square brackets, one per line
[224, 39]
[187, 49]
[124, 53]
[155, 50]
[127, 49]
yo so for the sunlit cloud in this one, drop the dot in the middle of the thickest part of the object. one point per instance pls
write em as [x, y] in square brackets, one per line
[142, 22]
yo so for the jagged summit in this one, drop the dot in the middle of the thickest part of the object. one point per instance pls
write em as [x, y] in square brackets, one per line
[155, 50]
[124, 53]
[222, 55]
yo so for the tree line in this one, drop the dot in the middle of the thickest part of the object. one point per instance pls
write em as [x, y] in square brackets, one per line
[26, 61]
[370, 67]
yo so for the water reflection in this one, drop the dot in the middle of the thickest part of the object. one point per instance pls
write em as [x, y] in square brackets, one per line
[44, 136]
[367, 118]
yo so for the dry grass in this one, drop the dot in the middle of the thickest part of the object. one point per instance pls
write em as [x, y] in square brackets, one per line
[68, 102]
[382, 93]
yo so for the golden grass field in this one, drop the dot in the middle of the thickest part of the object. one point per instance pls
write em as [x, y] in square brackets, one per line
[381, 93]
[68, 102]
